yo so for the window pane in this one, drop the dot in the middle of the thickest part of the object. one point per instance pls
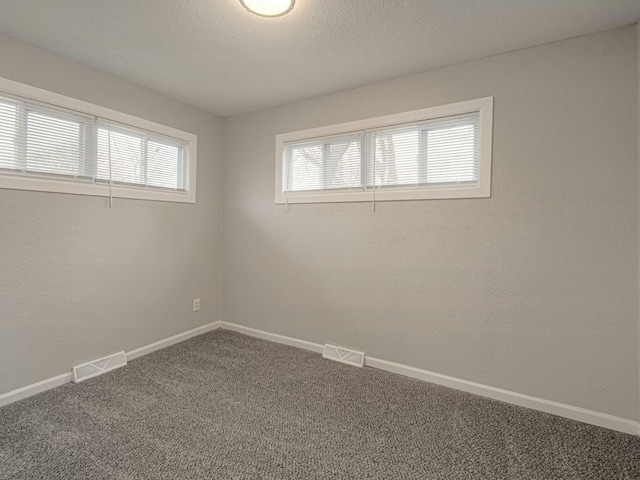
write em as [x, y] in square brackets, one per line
[53, 144]
[125, 150]
[323, 165]
[305, 168]
[163, 165]
[452, 154]
[397, 159]
[443, 151]
[8, 133]
[344, 163]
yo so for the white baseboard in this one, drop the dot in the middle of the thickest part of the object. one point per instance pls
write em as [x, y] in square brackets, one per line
[274, 337]
[29, 390]
[166, 342]
[548, 406]
[563, 410]
[53, 382]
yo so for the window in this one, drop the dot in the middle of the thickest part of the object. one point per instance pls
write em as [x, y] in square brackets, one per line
[333, 163]
[128, 156]
[441, 152]
[53, 143]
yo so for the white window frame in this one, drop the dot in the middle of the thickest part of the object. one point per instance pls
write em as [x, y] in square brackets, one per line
[481, 189]
[64, 185]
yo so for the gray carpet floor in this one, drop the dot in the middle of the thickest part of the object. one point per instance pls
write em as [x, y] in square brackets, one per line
[228, 406]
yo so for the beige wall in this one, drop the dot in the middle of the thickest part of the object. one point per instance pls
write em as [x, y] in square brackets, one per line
[79, 280]
[534, 290]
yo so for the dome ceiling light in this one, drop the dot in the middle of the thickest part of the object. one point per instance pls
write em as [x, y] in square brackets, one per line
[268, 8]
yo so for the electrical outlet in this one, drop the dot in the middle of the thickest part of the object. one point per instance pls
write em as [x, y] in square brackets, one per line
[196, 304]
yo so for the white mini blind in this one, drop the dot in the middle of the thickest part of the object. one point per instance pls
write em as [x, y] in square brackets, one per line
[344, 162]
[166, 165]
[327, 164]
[8, 135]
[304, 167]
[397, 157]
[120, 155]
[40, 140]
[444, 151]
[132, 157]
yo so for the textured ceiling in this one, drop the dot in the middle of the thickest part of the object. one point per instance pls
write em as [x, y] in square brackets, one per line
[215, 55]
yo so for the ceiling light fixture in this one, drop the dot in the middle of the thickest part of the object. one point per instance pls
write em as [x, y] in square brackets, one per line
[268, 8]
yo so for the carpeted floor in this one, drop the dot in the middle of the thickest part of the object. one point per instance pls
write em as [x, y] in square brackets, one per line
[227, 406]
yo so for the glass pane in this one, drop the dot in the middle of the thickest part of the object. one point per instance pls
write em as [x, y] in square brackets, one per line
[163, 165]
[53, 144]
[397, 157]
[452, 154]
[125, 149]
[344, 165]
[305, 168]
[8, 131]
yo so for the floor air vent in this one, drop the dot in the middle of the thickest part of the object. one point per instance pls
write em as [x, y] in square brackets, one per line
[98, 367]
[343, 355]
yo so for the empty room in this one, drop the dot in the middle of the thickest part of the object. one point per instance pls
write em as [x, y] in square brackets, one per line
[319, 239]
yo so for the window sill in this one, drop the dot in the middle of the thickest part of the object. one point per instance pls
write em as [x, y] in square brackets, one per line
[77, 188]
[386, 195]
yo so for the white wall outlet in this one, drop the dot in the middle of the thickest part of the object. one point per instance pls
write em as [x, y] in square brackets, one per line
[196, 304]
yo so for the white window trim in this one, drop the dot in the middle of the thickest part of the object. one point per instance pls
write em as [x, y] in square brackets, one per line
[16, 182]
[483, 106]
